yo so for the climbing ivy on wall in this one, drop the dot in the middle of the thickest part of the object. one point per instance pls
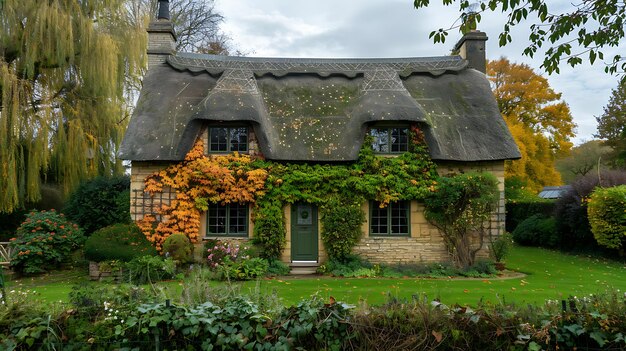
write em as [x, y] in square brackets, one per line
[200, 180]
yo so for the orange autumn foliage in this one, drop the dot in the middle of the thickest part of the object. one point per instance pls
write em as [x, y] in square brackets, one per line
[196, 182]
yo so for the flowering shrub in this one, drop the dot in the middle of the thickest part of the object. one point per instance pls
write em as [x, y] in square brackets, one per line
[220, 252]
[44, 240]
[231, 262]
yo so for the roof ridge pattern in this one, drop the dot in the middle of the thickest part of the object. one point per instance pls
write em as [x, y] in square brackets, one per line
[433, 65]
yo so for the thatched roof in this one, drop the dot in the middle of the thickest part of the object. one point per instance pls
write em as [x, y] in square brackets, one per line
[317, 109]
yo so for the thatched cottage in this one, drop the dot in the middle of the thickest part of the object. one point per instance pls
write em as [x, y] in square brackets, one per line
[318, 110]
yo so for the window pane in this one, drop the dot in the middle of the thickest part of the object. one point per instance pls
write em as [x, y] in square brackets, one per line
[381, 139]
[239, 139]
[379, 220]
[400, 140]
[218, 139]
[216, 219]
[399, 217]
[237, 219]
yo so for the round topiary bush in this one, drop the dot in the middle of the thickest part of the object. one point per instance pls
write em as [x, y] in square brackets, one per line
[537, 231]
[607, 216]
[44, 240]
[100, 202]
[122, 242]
[178, 247]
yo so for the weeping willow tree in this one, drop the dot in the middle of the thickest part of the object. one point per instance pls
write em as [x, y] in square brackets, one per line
[64, 69]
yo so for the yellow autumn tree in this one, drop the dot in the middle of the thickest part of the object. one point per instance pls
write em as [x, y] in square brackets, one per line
[540, 122]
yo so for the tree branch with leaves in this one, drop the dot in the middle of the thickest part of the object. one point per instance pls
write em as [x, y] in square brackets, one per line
[576, 34]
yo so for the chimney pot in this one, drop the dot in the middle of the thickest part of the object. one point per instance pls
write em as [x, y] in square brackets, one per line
[164, 10]
[472, 48]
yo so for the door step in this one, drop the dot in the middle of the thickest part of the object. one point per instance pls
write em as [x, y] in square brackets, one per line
[303, 267]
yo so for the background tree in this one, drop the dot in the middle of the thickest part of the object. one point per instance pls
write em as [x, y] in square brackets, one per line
[540, 122]
[196, 23]
[63, 65]
[612, 124]
[583, 159]
[568, 34]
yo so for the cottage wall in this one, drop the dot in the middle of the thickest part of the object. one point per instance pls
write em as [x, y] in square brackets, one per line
[142, 203]
[425, 243]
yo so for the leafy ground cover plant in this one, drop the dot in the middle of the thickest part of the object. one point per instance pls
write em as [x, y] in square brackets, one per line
[149, 269]
[44, 241]
[122, 242]
[353, 266]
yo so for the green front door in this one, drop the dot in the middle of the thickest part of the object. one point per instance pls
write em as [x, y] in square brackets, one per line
[303, 232]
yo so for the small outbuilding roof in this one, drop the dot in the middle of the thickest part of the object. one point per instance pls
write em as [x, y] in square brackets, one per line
[317, 109]
[554, 192]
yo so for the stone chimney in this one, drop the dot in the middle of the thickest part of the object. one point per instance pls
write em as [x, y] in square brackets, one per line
[472, 48]
[161, 36]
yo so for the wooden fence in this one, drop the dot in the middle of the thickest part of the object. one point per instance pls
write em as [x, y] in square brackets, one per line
[5, 253]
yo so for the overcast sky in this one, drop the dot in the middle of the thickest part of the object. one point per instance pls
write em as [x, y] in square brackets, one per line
[393, 28]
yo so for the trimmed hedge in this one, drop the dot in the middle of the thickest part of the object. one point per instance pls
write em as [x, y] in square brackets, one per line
[518, 211]
[122, 242]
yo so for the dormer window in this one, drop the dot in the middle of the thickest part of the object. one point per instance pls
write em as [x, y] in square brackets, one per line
[389, 140]
[228, 139]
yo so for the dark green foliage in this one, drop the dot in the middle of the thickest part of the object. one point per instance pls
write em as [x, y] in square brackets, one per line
[517, 211]
[122, 242]
[125, 319]
[100, 202]
[348, 266]
[607, 216]
[341, 227]
[269, 228]
[9, 222]
[459, 207]
[277, 268]
[178, 247]
[148, 269]
[571, 209]
[537, 231]
[44, 241]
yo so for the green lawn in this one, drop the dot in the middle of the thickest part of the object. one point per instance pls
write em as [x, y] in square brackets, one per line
[549, 275]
